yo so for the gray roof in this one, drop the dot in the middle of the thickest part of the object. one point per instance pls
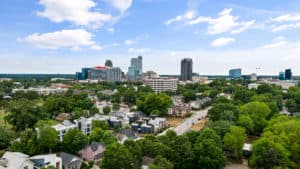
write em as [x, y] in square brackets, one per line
[69, 158]
[14, 160]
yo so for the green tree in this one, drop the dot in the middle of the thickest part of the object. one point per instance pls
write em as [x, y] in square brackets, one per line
[209, 155]
[258, 112]
[136, 151]
[158, 102]
[117, 156]
[268, 154]
[48, 139]
[6, 136]
[116, 106]
[161, 163]
[217, 110]
[27, 143]
[234, 141]
[24, 114]
[221, 127]
[74, 140]
[100, 124]
[100, 135]
[245, 121]
[106, 110]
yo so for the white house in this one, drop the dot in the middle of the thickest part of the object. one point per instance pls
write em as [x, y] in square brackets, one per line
[15, 160]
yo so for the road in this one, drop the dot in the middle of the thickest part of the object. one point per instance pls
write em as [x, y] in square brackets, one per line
[188, 122]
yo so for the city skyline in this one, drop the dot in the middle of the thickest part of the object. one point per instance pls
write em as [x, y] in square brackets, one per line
[38, 36]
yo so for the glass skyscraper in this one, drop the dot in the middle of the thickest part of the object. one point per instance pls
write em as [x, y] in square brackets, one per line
[136, 68]
[186, 69]
[235, 73]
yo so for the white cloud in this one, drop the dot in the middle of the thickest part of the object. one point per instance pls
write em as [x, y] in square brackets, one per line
[274, 45]
[222, 42]
[121, 5]
[111, 30]
[138, 50]
[61, 39]
[287, 18]
[129, 42]
[278, 28]
[78, 12]
[244, 26]
[96, 47]
[186, 16]
[225, 22]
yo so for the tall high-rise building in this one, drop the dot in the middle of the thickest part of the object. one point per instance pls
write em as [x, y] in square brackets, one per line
[281, 76]
[135, 70]
[108, 63]
[235, 73]
[288, 74]
[186, 69]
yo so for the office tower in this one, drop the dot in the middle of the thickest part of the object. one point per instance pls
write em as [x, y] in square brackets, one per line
[281, 76]
[253, 77]
[136, 69]
[162, 84]
[186, 69]
[108, 63]
[85, 73]
[111, 74]
[235, 73]
[288, 74]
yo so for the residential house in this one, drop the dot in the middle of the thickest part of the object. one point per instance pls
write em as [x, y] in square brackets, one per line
[200, 103]
[46, 161]
[94, 151]
[126, 134]
[179, 111]
[15, 160]
[70, 161]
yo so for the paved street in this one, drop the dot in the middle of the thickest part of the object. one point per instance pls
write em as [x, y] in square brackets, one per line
[188, 122]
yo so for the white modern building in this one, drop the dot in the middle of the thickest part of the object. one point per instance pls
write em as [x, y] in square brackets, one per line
[43, 90]
[63, 128]
[85, 124]
[162, 84]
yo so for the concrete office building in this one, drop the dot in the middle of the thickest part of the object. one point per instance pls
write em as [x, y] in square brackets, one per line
[186, 69]
[135, 70]
[162, 84]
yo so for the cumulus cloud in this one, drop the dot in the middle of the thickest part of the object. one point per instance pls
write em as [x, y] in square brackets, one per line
[186, 16]
[222, 42]
[121, 5]
[78, 12]
[225, 22]
[73, 39]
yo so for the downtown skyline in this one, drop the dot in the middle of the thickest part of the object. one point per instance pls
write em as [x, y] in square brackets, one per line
[47, 36]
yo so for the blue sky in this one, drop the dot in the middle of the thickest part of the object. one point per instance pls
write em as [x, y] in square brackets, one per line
[61, 36]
